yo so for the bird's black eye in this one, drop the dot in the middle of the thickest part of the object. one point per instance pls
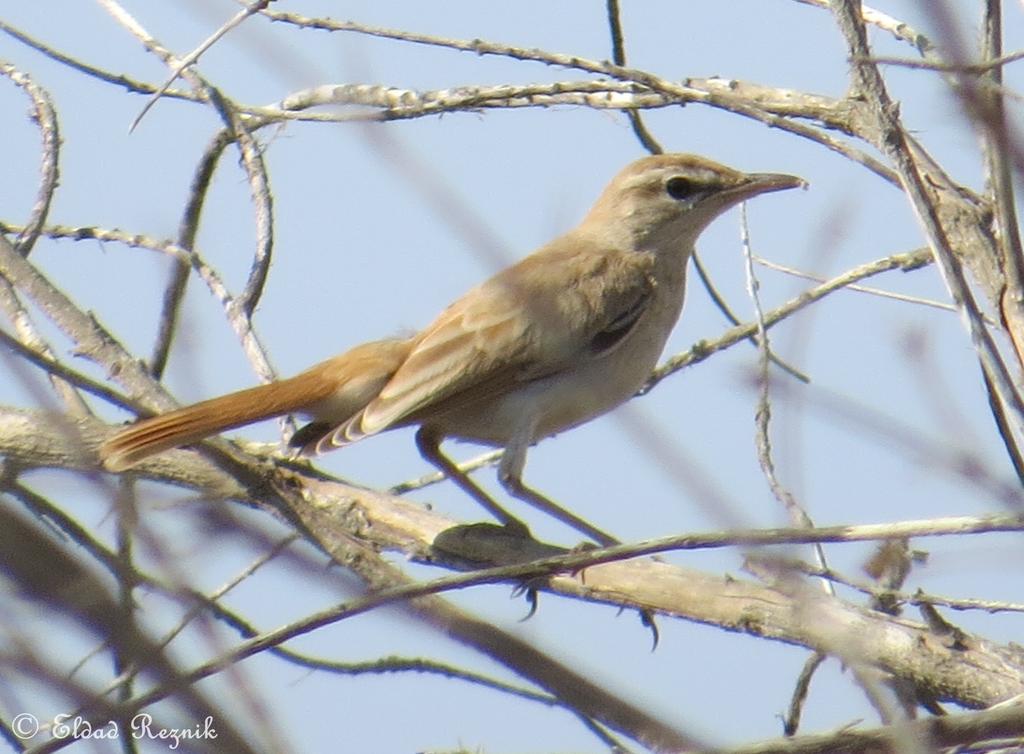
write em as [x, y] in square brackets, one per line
[680, 188]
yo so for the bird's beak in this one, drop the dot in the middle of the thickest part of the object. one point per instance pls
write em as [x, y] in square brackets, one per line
[762, 183]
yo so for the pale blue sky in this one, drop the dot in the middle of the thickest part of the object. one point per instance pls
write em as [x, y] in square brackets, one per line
[362, 252]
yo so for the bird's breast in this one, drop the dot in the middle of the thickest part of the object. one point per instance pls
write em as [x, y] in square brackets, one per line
[591, 386]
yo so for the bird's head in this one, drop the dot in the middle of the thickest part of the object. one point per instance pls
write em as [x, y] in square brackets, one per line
[671, 198]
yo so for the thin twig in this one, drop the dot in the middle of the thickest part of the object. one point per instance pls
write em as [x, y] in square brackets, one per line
[45, 116]
[1006, 434]
[124, 678]
[919, 597]
[188, 228]
[30, 340]
[704, 349]
[193, 56]
[988, 65]
[798, 515]
[861, 288]
[47, 363]
[619, 58]
[127, 522]
[723, 306]
[129, 84]
[899, 29]
[490, 458]
[791, 723]
[91, 339]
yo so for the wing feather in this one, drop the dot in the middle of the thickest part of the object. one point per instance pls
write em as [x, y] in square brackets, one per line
[529, 321]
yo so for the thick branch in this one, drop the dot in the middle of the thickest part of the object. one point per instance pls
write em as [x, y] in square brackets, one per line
[973, 672]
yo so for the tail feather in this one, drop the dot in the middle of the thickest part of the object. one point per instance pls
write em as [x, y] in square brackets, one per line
[332, 392]
[197, 422]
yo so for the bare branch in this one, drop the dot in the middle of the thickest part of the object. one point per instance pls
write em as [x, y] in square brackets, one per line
[45, 116]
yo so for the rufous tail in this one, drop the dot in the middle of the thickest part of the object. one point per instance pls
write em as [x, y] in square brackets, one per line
[331, 392]
[199, 421]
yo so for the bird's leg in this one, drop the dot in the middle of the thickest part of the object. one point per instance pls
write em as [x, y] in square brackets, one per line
[510, 474]
[429, 444]
[517, 489]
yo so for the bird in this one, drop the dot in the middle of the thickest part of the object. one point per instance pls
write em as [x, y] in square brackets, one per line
[560, 337]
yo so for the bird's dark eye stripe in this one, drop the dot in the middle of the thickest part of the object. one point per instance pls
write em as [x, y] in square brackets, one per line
[680, 188]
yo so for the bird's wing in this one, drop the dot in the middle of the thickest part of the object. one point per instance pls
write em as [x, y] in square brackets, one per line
[532, 320]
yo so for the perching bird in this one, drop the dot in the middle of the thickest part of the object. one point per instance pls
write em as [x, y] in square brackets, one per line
[557, 339]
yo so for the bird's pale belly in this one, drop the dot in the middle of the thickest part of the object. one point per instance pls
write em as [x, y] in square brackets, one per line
[562, 401]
